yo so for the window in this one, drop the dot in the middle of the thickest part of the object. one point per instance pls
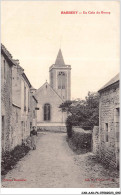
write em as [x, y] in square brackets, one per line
[117, 123]
[46, 112]
[106, 132]
[116, 115]
[61, 80]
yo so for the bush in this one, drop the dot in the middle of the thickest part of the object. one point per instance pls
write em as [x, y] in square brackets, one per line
[69, 131]
[9, 159]
[69, 127]
[80, 142]
[84, 113]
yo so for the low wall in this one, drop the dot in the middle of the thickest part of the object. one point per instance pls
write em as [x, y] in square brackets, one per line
[80, 130]
[52, 128]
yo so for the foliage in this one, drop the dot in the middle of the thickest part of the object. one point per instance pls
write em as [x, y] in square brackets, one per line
[83, 113]
[66, 106]
[80, 142]
[9, 159]
[69, 126]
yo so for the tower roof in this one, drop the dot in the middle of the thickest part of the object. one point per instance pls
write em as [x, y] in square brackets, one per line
[59, 60]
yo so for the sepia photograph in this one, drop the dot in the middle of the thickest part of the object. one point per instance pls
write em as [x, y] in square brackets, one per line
[60, 103]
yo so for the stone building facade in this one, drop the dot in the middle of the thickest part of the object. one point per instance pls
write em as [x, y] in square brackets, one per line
[18, 104]
[95, 140]
[16, 134]
[50, 96]
[109, 114]
[22, 99]
[49, 115]
[6, 97]
[25, 106]
[33, 109]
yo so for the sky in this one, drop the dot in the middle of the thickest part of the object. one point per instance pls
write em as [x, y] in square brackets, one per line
[34, 31]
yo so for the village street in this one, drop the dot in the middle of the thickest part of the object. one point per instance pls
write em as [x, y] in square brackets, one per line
[54, 165]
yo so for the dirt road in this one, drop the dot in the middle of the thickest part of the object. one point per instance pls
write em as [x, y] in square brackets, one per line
[54, 165]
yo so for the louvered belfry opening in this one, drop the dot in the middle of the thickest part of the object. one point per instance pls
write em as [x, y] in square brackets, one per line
[61, 80]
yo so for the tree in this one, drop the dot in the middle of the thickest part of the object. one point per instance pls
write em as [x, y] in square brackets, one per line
[66, 106]
[92, 109]
[83, 113]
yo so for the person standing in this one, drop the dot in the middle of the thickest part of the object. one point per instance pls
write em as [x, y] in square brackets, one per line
[33, 135]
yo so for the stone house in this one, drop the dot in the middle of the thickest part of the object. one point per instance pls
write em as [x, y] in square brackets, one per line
[6, 97]
[22, 99]
[18, 104]
[25, 106]
[109, 114]
[16, 133]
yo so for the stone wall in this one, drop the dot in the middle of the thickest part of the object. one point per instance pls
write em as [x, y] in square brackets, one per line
[6, 102]
[52, 128]
[95, 140]
[16, 133]
[108, 131]
[33, 111]
[16, 130]
[25, 109]
[16, 86]
[15, 102]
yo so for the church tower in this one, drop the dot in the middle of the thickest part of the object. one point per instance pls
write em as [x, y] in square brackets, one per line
[60, 77]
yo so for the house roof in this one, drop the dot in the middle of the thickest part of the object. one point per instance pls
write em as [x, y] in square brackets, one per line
[59, 60]
[12, 61]
[112, 81]
[32, 88]
[18, 64]
[26, 79]
[7, 55]
[46, 83]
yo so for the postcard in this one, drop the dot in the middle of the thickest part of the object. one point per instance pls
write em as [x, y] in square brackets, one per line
[60, 104]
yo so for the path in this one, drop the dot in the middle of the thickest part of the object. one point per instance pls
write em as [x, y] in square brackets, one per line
[54, 165]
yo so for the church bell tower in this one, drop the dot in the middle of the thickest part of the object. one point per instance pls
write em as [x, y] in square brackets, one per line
[60, 77]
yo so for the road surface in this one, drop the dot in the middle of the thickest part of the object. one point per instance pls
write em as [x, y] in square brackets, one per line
[54, 165]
